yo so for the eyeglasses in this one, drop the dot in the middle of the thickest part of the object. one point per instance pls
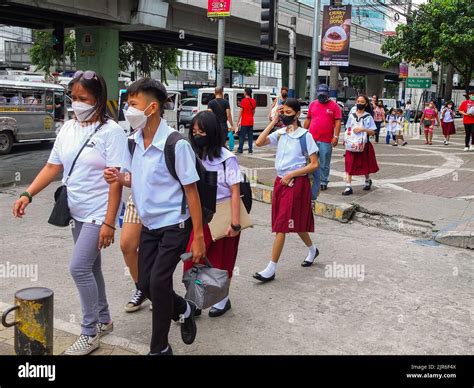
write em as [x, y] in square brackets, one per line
[88, 74]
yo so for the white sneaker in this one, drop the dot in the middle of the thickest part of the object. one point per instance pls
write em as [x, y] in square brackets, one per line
[471, 148]
[84, 345]
[466, 149]
[105, 328]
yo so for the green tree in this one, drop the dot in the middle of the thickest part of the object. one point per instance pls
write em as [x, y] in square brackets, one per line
[147, 58]
[246, 67]
[439, 30]
[42, 54]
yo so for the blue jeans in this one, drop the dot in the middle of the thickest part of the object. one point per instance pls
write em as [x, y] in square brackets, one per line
[245, 131]
[325, 153]
[389, 136]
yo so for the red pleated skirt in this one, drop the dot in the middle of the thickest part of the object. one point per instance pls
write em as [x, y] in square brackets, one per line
[221, 253]
[291, 207]
[448, 128]
[361, 163]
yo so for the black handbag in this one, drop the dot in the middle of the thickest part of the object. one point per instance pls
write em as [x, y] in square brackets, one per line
[61, 216]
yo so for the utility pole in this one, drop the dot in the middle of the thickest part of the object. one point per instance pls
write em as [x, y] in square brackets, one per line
[220, 53]
[315, 50]
[334, 70]
[292, 60]
[408, 19]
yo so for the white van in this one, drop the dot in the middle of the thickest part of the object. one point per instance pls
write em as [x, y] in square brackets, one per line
[234, 96]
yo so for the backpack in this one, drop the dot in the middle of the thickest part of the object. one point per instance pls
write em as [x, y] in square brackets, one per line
[245, 191]
[206, 185]
[354, 142]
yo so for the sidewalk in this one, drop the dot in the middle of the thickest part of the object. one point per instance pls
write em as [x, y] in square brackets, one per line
[62, 340]
[371, 291]
[420, 189]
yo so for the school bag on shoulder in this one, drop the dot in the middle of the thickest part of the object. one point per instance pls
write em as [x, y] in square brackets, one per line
[354, 142]
[206, 185]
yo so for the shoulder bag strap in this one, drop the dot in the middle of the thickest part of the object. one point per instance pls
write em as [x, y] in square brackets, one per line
[80, 151]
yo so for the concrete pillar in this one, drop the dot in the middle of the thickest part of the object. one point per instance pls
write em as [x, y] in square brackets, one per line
[374, 84]
[97, 49]
[285, 69]
[301, 75]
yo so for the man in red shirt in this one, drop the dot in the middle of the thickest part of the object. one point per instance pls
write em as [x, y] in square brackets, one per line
[467, 110]
[245, 121]
[324, 123]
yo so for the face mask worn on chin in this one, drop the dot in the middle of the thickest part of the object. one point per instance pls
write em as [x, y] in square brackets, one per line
[201, 141]
[323, 99]
[136, 117]
[82, 110]
[287, 120]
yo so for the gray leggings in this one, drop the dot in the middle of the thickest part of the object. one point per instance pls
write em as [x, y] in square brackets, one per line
[85, 268]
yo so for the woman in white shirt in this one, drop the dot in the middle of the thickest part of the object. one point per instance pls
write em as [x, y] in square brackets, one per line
[206, 138]
[291, 202]
[92, 202]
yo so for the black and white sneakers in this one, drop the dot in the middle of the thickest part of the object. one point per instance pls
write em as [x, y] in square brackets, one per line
[135, 302]
[84, 345]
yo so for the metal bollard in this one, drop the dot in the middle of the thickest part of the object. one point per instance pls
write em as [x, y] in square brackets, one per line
[33, 321]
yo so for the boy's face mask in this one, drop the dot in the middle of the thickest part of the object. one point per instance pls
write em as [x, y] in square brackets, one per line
[136, 117]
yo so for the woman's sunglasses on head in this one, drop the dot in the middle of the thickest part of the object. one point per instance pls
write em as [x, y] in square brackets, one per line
[88, 74]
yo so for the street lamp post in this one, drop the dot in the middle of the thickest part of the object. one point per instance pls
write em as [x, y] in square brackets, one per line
[220, 53]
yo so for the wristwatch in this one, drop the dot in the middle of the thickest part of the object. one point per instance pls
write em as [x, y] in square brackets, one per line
[236, 228]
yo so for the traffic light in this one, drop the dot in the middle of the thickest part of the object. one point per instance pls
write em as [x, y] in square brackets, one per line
[268, 23]
[58, 38]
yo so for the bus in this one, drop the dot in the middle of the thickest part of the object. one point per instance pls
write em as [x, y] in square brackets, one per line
[30, 111]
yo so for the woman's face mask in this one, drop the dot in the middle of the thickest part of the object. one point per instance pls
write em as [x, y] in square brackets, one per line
[288, 120]
[136, 117]
[82, 110]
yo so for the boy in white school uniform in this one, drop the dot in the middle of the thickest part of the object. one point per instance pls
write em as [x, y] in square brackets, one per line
[157, 197]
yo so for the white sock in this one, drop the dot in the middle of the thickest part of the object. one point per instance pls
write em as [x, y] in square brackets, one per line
[221, 305]
[269, 271]
[188, 311]
[311, 253]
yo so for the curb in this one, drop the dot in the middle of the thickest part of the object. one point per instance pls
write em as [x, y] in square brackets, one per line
[456, 239]
[332, 210]
[344, 212]
[7, 183]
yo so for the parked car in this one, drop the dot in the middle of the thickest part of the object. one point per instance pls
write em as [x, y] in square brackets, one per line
[187, 110]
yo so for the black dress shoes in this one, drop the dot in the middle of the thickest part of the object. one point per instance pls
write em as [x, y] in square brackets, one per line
[188, 327]
[310, 263]
[169, 352]
[262, 278]
[215, 312]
